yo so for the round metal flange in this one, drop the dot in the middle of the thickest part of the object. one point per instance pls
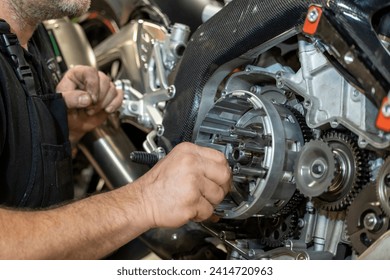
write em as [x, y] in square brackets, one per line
[383, 187]
[315, 168]
[365, 220]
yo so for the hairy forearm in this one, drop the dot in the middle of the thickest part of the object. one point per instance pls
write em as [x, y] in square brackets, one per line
[87, 229]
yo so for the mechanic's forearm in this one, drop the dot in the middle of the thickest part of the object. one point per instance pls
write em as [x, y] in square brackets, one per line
[87, 229]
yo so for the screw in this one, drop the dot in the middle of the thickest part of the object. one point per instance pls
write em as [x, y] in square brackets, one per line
[370, 221]
[349, 58]
[171, 91]
[313, 14]
[386, 109]
[318, 169]
[160, 130]
[134, 107]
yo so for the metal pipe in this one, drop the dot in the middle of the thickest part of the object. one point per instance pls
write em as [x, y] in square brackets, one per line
[108, 148]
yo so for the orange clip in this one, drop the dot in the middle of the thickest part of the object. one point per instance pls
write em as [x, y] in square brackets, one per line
[312, 20]
[383, 119]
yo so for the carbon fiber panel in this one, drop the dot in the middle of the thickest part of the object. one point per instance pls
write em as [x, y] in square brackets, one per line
[239, 27]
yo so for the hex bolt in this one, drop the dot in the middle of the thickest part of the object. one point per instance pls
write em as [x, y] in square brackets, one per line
[313, 14]
[349, 58]
[371, 221]
[386, 109]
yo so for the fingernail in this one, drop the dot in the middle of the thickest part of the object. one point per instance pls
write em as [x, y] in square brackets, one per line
[110, 109]
[84, 100]
[94, 97]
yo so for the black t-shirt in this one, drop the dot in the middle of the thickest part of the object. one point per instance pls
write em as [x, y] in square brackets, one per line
[35, 156]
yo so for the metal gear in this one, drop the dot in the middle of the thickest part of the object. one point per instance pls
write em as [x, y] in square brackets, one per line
[383, 187]
[276, 230]
[365, 220]
[351, 172]
[307, 133]
[291, 204]
[315, 168]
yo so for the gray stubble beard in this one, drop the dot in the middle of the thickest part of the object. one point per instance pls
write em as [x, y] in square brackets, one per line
[32, 12]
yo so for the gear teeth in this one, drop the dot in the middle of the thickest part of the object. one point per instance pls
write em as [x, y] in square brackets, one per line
[346, 144]
[306, 131]
[280, 232]
[291, 204]
[365, 202]
[307, 136]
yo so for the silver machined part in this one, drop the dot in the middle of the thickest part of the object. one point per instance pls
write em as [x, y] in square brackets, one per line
[157, 50]
[350, 172]
[315, 168]
[383, 187]
[259, 162]
[284, 253]
[239, 247]
[68, 31]
[210, 10]
[173, 49]
[320, 233]
[150, 144]
[310, 222]
[365, 219]
[331, 100]
[144, 107]
[328, 232]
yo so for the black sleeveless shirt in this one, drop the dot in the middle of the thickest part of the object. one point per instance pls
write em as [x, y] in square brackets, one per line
[35, 153]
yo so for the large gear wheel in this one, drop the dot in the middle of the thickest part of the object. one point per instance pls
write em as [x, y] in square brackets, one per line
[315, 168]
[276, 230]
[365, 220]
[383, 187]
[351, 172]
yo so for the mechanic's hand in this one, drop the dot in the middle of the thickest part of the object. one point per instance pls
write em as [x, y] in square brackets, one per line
[186, 185]
[90, 96]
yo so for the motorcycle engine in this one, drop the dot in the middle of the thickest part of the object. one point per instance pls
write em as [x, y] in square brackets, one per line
[305, 159]
[310, 167]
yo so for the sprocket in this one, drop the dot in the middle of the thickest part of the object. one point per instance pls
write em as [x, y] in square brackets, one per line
[365, 220]
[351, 172]
[276, 230]
[383, 187]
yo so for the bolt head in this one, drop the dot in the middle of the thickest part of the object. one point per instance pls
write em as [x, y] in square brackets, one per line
[312, 15]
